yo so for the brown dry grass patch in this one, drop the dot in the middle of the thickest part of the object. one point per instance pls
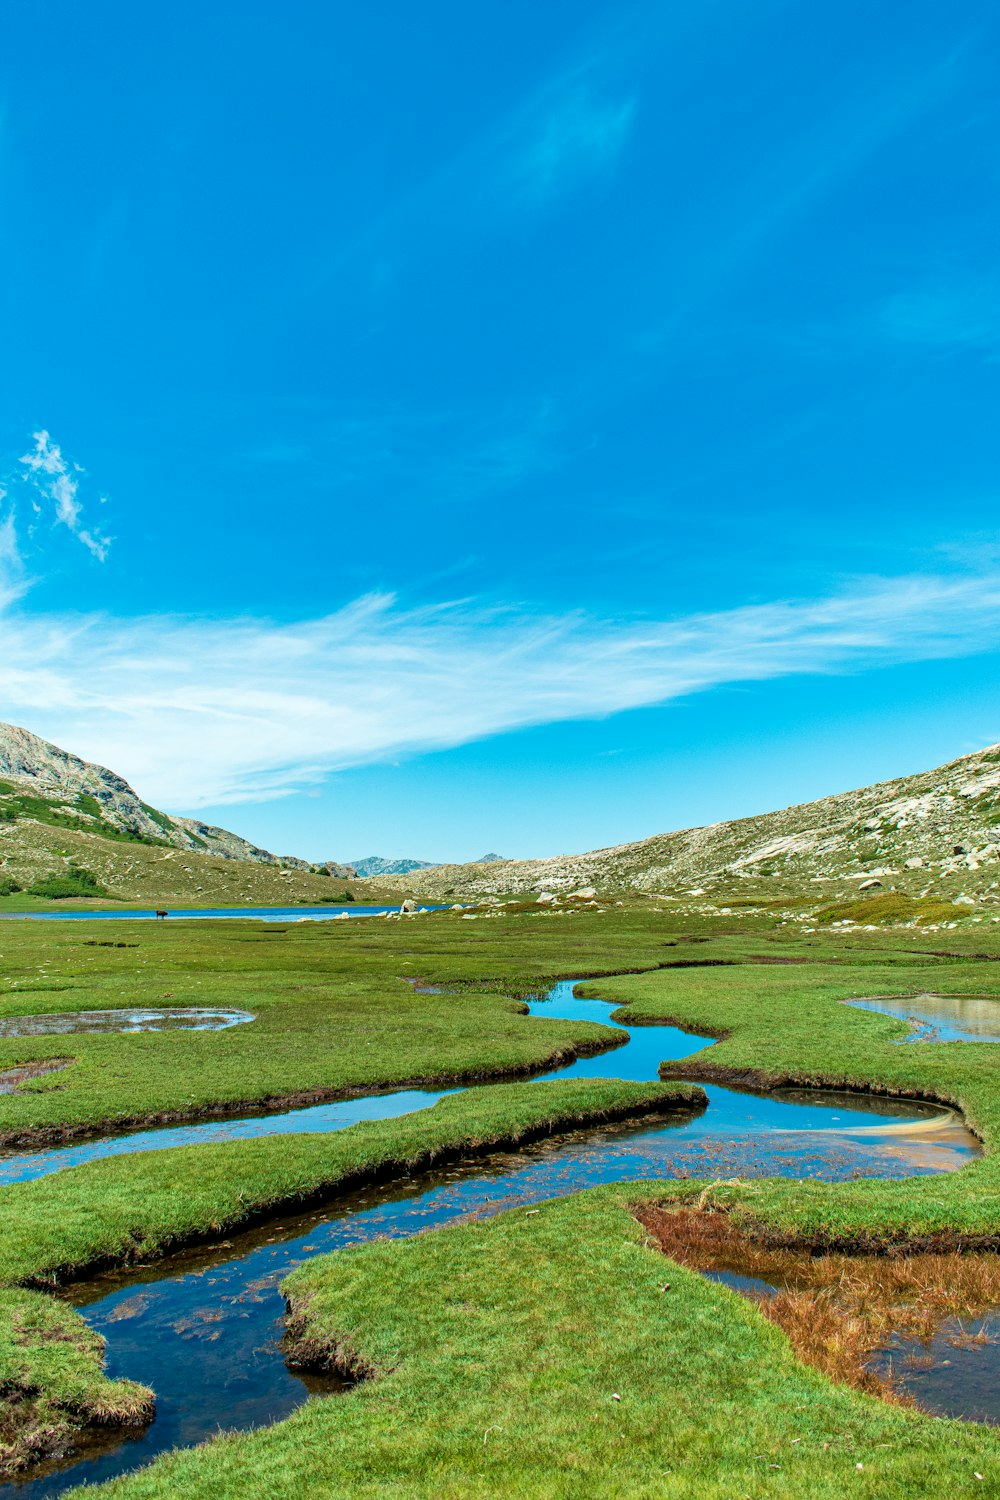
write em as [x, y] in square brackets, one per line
[837, 1310]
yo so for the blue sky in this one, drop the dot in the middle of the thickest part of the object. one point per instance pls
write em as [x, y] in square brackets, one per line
[431, 429]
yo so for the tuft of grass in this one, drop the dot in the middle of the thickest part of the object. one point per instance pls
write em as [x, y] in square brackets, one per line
[51, 1380]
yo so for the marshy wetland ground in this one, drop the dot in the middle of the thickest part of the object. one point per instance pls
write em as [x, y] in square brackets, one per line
[535, 1341]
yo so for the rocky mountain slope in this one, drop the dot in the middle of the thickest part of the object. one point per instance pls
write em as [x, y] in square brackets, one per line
[94, 796]
[58, 811]
[935, 833]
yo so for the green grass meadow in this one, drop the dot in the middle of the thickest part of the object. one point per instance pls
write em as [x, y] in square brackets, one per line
[494, 1351]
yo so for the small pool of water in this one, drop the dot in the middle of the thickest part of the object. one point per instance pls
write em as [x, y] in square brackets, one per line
[940, 1018]
[954, 1374]
[11, 1079]
[101, 1022]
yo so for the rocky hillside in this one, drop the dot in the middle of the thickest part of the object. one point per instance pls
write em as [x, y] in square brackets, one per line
[936, 833]
[59, 812]
[93, 797]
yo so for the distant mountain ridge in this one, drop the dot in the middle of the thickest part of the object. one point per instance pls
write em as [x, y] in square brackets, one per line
[373, 865]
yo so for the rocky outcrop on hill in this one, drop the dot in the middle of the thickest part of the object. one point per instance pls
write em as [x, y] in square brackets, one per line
[940, 825]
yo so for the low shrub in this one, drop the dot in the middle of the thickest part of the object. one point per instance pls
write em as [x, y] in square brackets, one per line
[73, 881]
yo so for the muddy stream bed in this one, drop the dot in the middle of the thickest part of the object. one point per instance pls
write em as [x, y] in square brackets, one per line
[203, 1328]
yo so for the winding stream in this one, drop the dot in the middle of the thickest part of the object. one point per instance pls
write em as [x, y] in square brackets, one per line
[204, 1327]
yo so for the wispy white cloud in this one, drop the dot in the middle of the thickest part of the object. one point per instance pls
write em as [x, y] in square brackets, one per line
[563, 140]
[11, 563]
[957, 315]
[573, 122]
[200, 712]
[57, 480]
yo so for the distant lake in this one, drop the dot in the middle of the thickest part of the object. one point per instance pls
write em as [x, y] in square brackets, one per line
[206, 913]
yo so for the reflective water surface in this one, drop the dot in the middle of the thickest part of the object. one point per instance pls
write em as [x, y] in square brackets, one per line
[933, 1135]
[954, 1374]
[98, 1022]
[940, 1018]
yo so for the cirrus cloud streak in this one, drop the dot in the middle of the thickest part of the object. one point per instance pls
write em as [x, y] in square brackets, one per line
[199, 712]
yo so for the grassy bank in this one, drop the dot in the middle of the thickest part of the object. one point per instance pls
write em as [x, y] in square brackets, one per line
[335, 1014]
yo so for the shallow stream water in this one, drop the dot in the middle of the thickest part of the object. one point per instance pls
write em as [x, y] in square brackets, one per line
[203, 1328]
